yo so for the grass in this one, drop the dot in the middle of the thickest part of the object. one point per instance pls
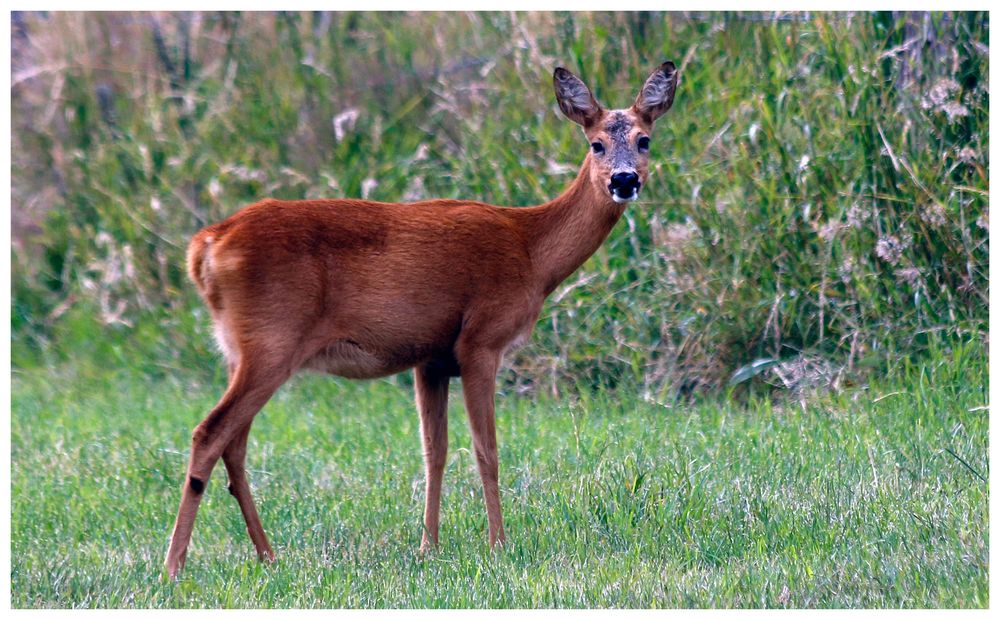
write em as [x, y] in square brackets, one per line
[868, 498]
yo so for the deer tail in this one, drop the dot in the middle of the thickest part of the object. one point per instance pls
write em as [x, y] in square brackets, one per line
[199, 261]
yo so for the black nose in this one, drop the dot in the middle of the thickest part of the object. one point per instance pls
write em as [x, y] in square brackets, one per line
[624, 183]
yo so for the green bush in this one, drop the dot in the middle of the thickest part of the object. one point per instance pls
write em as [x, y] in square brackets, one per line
[817, 201]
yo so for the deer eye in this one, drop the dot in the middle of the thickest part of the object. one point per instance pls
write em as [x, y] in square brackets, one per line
[598, 147]
[644, 144]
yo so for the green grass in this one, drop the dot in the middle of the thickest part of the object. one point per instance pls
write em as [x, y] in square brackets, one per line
[868, 498]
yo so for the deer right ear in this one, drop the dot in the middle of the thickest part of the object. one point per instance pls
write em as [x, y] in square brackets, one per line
[657, 94]
[575, 99]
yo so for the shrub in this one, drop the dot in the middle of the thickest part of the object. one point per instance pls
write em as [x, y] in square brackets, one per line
[817, 202]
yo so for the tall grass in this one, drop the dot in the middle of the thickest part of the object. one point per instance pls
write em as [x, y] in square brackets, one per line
[817, 202]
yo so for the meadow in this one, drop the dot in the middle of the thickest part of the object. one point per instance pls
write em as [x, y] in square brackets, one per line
[767, 388]
[868, 498]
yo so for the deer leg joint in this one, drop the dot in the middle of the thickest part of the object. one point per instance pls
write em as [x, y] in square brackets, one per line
[197, 484]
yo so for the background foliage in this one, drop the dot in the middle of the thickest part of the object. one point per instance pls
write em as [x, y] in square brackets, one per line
[817, 203]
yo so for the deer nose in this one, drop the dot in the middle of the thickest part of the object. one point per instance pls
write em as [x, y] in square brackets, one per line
[624, 183]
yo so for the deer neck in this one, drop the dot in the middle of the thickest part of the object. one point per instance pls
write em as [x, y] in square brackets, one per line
[566, 231]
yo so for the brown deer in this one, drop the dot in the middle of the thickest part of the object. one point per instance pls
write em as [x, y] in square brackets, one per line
[366, 289]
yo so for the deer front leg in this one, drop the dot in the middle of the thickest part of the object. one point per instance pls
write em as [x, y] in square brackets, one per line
[479, 371]
[432, 402]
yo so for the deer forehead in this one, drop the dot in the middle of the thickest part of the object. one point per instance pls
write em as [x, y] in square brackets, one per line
[617, 126]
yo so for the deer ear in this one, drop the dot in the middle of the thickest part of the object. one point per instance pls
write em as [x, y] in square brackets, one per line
[657, 94]
[575, 99]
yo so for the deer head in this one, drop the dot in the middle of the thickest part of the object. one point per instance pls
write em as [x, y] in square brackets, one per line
[619, 139]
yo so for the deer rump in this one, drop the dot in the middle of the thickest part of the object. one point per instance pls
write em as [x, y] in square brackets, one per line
[360, 289]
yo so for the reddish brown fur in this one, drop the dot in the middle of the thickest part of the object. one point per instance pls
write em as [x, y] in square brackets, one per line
[366, 289]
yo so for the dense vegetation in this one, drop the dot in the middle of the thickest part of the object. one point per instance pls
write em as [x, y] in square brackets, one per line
[817, 204]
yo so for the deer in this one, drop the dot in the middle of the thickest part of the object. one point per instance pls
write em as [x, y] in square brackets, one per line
[363, 289]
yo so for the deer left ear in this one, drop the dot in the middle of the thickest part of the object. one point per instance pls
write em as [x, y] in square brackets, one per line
[575, 99]
[657, 94]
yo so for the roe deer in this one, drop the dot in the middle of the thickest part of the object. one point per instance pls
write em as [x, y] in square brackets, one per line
[365, 289]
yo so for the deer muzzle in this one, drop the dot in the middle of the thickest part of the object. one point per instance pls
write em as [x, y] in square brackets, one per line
[624, 186]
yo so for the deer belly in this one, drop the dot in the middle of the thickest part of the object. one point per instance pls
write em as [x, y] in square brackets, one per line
[346, 358]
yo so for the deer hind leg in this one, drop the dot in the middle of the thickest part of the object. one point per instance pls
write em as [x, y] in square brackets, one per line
[432, 402]
[479, 371]
[234, 457]
[249, 389]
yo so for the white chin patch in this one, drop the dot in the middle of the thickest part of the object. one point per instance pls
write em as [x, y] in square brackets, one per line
[621, 200]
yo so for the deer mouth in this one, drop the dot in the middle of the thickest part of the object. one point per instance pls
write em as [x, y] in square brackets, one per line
[616, 195]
